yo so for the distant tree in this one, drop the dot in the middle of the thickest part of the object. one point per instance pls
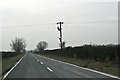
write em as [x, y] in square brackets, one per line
[35, 50]
[42, 45]
[18, 45]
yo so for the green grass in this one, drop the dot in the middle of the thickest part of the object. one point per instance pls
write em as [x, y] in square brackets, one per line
[99, 66]
[9, 62]
[0, 67]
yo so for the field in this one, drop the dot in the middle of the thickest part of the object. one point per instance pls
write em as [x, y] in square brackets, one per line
[8, 62]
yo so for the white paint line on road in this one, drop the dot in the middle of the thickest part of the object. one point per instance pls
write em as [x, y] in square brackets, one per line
[37, 60]
[112, 76]
[49, 69]
[41, 62]
[13, 68]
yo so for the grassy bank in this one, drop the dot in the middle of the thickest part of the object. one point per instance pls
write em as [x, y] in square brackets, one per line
[9, 62]
[99, 66]
[0, 67]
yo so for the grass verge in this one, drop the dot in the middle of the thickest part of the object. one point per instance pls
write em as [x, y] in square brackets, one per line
[99, 66]
[9, 62]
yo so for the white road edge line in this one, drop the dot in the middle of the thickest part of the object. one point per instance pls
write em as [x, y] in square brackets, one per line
[49, 69]
[41, 62]
[12, 68]
[112, 76]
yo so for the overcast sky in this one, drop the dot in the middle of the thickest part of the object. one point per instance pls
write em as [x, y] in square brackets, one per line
[85, 22]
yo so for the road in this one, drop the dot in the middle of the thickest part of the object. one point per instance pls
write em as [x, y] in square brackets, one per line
[35, 66]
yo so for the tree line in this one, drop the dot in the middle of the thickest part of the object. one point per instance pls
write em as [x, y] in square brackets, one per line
[100, 53]
[18, 46]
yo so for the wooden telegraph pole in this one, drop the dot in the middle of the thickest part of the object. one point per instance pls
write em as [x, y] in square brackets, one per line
[60, 29]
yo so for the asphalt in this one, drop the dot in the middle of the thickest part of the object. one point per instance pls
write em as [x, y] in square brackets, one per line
[35, 66]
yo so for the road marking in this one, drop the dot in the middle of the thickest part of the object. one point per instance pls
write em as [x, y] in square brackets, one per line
[49, 69]
[41, 62]
[112, 76]
[12, 68]
[37, 60]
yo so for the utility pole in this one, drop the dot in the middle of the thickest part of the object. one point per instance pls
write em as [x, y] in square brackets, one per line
[60, 29]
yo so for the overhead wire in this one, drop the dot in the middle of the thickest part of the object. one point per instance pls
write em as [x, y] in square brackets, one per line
[38, 25]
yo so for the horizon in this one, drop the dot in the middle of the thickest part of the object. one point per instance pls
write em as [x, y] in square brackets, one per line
[65, 47]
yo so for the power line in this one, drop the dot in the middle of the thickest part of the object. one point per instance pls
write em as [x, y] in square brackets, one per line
[38, 25]
[32, 25]
[79, 22]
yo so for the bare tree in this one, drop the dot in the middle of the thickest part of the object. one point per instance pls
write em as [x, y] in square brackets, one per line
[42, 45]
[18, 45]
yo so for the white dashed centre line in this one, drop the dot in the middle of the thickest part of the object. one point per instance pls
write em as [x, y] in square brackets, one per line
[49, 69]
[41, 62]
